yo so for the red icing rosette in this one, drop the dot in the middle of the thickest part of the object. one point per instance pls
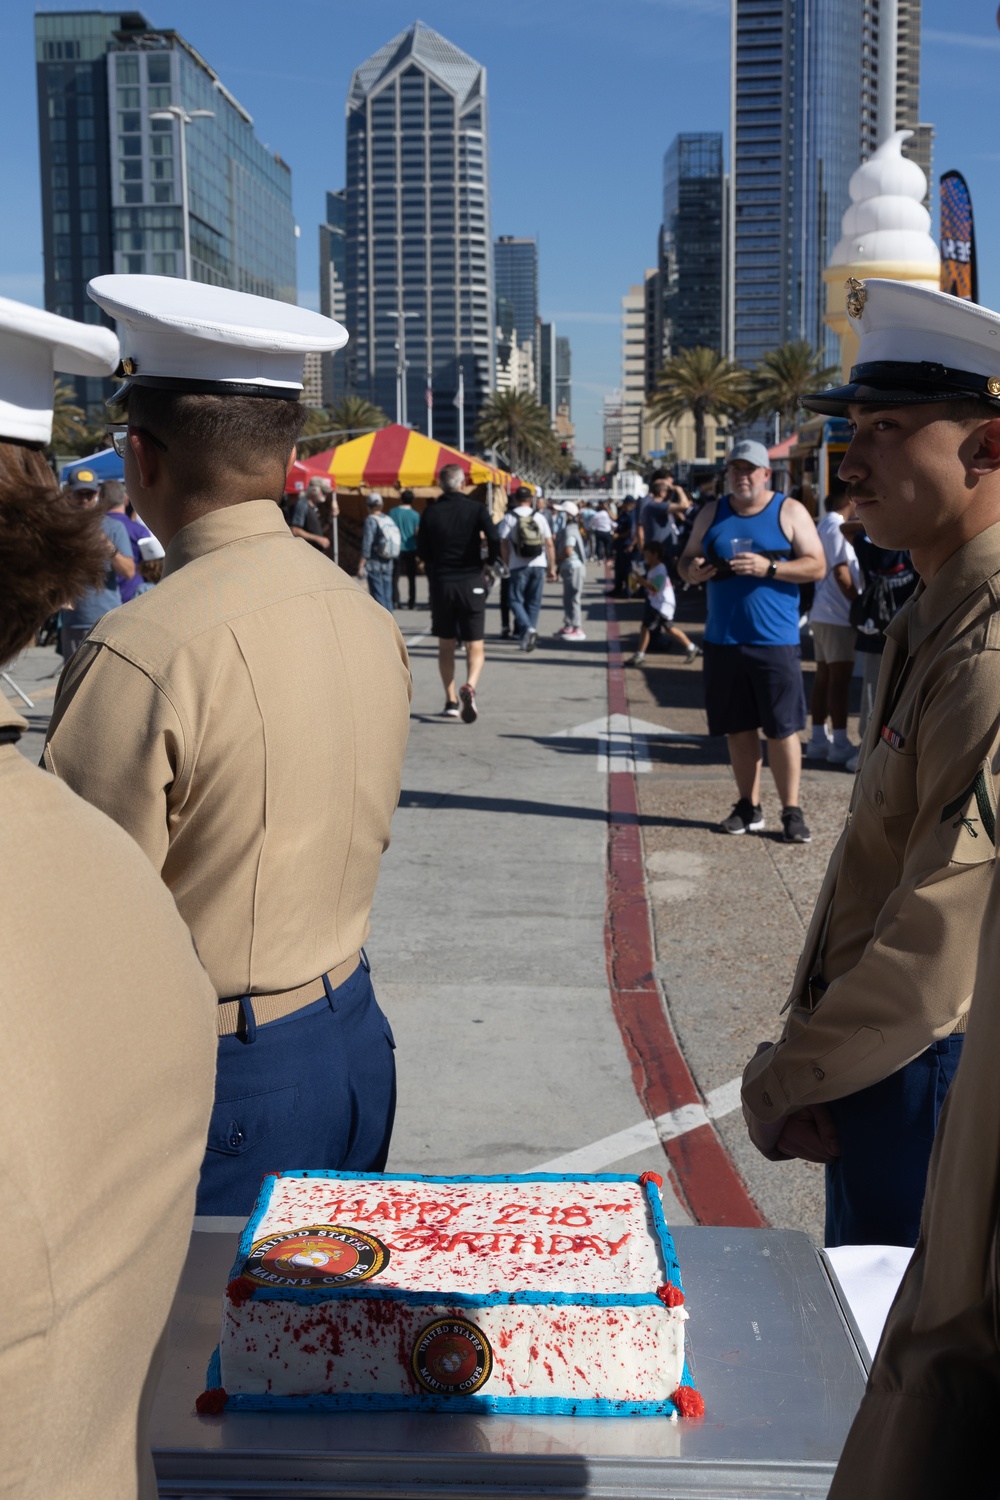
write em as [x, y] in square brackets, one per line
[688, 1401]
[670, 1296]
[211, 1403]
[645, 1177]
[240, 1290]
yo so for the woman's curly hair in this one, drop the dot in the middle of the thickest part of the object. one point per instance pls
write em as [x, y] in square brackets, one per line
[52, 549]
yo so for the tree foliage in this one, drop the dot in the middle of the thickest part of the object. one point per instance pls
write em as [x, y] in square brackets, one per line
[784, 376]
[517, 424]
[700, 381]
[70, 429]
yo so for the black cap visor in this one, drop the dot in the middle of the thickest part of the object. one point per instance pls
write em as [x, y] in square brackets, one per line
[892, 383]
[204, 388]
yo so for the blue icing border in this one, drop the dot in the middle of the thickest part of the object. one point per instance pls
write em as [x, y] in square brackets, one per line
[536, 1405]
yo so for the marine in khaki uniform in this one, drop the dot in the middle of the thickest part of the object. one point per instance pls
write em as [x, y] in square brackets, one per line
[245, 721]
[101, 1132]
[874, 1022]
[927, 1425]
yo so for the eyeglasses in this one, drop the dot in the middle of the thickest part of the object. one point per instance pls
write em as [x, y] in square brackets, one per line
[118, 436]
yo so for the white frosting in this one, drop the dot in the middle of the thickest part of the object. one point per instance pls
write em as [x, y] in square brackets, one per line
[887, 222]
[472, 1238]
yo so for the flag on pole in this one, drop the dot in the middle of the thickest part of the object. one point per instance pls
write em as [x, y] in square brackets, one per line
[460, 393]
[958, 239]
[429, 398]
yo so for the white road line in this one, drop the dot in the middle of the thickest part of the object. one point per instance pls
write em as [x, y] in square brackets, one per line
[414, 640]
[720, 1101]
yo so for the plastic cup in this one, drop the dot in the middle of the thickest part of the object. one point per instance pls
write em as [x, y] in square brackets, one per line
[741, 544]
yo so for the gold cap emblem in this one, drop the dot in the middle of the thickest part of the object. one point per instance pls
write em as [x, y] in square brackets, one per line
[128, 366]
[993, 385]
[857, 296]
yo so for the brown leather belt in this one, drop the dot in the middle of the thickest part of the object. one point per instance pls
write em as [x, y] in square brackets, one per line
[280, 1003]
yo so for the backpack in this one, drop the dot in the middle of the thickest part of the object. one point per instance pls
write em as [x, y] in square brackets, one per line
[388, 542]
[528, 538]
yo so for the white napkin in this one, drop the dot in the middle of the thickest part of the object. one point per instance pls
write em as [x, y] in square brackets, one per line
[869, 1276]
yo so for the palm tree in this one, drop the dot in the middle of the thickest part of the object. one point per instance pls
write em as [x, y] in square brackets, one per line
[700, 381]
[521, 427]
[346, 419]
[69, 421]
[784, 376]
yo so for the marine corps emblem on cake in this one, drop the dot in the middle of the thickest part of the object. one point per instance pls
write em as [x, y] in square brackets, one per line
[452, 1358]
[321, 1256]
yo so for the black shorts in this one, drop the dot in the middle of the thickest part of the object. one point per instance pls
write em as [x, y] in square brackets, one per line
[458, 607]
[754, 687]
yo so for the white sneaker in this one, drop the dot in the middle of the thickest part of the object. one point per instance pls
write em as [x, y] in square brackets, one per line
[574, 635]
[818, 749]
[839, 755]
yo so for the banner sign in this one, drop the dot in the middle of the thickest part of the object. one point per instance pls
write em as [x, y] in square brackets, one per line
[958, 240]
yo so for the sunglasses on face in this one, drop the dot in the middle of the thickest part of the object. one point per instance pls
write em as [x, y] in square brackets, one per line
[118, 437]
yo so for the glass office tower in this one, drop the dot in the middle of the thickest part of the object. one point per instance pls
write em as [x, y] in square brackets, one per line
[691, 246]
[111, 190]
[418, 230]
[815, 87]
[333, 287]
[515, 274]
[564, 375]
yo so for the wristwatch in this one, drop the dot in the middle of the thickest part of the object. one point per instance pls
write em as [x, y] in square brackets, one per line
[772, 571]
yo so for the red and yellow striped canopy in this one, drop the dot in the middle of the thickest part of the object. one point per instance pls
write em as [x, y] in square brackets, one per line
[396, 456]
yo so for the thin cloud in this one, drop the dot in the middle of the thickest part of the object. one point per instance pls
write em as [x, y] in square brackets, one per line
[584, 317]
[962, 39]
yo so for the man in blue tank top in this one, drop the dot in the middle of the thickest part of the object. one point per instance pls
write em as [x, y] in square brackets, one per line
[752, 548]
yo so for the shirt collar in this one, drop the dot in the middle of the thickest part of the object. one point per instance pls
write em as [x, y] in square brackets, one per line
[9, 716]
[965, 572]
[233, 523]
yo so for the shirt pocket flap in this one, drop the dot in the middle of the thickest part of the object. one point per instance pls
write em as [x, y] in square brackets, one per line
[835, 1063]
[237, 1125]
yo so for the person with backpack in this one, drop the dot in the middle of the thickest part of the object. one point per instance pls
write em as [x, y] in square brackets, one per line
[381, 544]
[529, 553]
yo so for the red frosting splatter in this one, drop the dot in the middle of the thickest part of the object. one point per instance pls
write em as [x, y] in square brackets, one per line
[688, 1402]
[670, 1296]
[240, 1290]
[211, 1403]
[645, 1177]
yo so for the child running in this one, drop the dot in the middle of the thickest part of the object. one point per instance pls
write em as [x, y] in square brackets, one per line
[660, 606]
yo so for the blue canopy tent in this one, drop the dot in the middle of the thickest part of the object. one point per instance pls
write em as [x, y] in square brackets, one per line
[106, 465]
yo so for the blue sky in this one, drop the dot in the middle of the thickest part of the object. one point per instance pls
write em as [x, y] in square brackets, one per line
[584, 97]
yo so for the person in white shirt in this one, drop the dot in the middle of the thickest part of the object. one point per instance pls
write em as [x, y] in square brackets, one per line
[529, 553]
[833, 636]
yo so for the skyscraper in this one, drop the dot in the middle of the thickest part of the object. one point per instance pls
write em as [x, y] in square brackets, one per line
[564, 375]
[814, 88]
[691, 282]
[515, 275]
[333, 288]
[419, 276]
[548, 361]
[112, 195]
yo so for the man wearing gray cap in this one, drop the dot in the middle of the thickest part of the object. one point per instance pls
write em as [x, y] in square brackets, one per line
[753, 548]
[205, 720]
[878, 1006]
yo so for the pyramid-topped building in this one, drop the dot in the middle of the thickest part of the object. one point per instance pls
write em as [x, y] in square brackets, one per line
[418, 233]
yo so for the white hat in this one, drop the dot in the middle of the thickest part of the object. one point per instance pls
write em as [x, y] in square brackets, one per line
[33, 345]
[916, 345]
[747, 451]
[187, 336]
[150, 549]
[570, 507]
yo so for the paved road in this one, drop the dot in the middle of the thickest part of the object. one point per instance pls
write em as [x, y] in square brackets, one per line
[488, 933]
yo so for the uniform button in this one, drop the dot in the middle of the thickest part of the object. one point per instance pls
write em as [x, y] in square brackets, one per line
[766, 1098]
[818, 1072]
[879, 798]
[235, 1136]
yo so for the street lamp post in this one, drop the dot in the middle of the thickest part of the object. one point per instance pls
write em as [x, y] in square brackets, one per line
[401, 364]
[183, 117]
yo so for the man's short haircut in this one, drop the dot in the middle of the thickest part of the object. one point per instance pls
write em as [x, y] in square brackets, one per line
[523, 495]
[452, 478]
[406, 497]
[52, 548]
[112, 492]
[657, 487]
[211, 439]
[655, 549]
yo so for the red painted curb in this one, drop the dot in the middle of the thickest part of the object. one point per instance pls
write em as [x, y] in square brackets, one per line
[702, 1169]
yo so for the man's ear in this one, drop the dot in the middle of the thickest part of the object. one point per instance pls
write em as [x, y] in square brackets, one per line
[147, 457]
[985, 458]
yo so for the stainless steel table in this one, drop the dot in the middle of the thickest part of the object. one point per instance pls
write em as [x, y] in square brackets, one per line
[770, 1348]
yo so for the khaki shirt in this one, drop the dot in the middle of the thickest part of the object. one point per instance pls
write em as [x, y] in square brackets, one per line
[245, 721]
[107, 1066]
[926, 1428]
[896, 925]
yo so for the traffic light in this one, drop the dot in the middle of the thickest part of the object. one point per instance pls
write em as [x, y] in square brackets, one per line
[565, 450]
[607, 454]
